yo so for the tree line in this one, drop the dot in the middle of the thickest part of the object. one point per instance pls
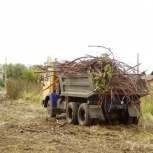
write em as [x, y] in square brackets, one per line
[20, 71]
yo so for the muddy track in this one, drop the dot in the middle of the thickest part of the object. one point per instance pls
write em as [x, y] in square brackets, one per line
[24, 128]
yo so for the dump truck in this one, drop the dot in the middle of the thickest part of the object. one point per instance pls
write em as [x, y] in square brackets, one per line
[78, 97]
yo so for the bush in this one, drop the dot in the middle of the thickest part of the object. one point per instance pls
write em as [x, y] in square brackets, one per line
[2, 84]
[18, 89]
[33, 92]
[15, 88]
[147, 106]
[35, 97]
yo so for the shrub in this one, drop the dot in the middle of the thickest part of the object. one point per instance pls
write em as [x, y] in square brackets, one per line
[2, 84]
[17, 88]
[35, 97]
[147, 106]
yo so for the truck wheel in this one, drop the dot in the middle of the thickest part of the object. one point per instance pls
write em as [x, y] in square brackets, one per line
[136, 120]
[72, 113]
[50, 110]
[83, 115]
[126, 118]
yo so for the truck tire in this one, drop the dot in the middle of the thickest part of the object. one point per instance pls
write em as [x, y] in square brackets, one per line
[126, 118]
[136, 120]
[83, 115]
[50, 111]
[72, 113]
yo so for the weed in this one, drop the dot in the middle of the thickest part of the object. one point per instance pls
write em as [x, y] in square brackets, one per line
[22, 89]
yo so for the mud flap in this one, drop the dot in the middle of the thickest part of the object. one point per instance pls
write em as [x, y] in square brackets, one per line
[55, 111]
[95, 112]
[134, 110]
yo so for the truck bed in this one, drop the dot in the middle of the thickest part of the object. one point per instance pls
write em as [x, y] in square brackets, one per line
[80, 85]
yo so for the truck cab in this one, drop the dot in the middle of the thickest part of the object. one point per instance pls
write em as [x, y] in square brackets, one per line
[49, 92]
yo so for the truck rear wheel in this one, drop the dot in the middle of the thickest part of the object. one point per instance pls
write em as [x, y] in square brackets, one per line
[50, 112]
[136, 120]
[72, 113]
[83, 115]
[126, 118]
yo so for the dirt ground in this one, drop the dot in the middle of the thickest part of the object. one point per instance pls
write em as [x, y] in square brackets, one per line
[25, 129]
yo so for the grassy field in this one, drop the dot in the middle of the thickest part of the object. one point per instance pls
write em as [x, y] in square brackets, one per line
[24, 128]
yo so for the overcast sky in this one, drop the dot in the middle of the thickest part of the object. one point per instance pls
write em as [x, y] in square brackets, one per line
[31, 30]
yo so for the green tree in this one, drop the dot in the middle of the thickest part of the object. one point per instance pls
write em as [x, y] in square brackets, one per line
[30, 75]
[20, 71]
[14, 71]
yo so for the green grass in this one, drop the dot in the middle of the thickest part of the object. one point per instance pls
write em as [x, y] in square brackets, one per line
[147, 106]
[22, 89]
[2, 89]
[32, 97]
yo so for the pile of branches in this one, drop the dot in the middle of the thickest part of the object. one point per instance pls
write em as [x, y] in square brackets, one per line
[110, 76]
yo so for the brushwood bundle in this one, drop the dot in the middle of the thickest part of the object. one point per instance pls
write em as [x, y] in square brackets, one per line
[110, 75]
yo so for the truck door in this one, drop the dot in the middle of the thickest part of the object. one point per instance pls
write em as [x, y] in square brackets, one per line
[47, 82]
